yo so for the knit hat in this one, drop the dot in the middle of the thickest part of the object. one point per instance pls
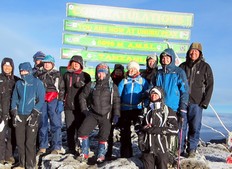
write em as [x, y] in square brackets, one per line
[38, 56]
[49, 58]
[78, 59]
[157, 91]
[119, 66]
[102, 67]
[133, 64]
[196, 45]
[153, 56]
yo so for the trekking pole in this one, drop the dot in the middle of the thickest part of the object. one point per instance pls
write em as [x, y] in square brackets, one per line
[179, 151]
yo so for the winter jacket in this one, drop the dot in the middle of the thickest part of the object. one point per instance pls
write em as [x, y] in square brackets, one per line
[200, 80]
[164, 123]
[74, 83]
[174, 82]
[7, 83]
[53, 82]
[100, 97]
[28, 93]
[131, 91]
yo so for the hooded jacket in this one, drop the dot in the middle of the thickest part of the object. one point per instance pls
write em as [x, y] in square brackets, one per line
[200, 79]
[163, 122]
[174, 82]
[115, 78]
[100, 97]
[7, 83]
[74, 82]
[28, 93]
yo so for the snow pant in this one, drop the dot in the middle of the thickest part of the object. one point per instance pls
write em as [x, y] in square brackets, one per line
[7, 141]
[73, 120]
[126, 119]
[49, 113]
[182, 132]
[91, 122]
[194, 122]
[110, 142]
[26, 142]
[152, 161]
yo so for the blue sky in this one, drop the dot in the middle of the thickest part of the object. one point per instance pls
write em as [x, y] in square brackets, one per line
[28, 26]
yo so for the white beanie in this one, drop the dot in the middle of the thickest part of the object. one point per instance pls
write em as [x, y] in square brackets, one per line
[133, 64]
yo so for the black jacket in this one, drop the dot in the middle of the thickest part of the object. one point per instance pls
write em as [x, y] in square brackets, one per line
[74, 83]
[201, 81]
[100, 101]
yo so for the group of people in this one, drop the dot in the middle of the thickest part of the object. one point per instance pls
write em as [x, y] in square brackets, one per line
[159, 103]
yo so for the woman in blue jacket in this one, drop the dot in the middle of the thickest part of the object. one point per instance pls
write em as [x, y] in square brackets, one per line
[27, 101]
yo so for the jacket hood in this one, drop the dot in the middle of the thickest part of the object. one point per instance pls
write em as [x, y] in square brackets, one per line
[170, 52]
[78, 59]
[194, 45]
[25, 66]
[7, 61]
[102, 67]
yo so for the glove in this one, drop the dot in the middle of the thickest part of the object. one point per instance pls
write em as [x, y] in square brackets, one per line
[115, 119]
[203, 106]
[59, 107]
[15, 117]
[33, 118]
[86, 113]
[79, 84]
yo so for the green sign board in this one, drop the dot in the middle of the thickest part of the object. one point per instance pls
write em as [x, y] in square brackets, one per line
[126, 30]
[123, 44]
[67, 53]
[129, 15]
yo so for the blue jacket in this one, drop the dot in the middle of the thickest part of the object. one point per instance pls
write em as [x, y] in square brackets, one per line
[174, 82]
[28, 93]
[131, 92]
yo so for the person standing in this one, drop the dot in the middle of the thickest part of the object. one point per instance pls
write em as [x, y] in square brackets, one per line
[131, 90]
[26, 104]
[74, 79]
[52, 107]
[156, 123]
[174, 82]
[98, 100]
[7, 135]
[37, 58]
[151, 67]
[117, 75]
[201, 81]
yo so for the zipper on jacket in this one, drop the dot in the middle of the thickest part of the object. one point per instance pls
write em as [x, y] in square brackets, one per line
[24, 97]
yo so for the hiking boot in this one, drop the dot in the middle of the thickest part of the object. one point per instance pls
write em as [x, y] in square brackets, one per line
[10, 160]
[83, 158]
[100, 159]
[41, 151]
[56, 152]
[192, 154]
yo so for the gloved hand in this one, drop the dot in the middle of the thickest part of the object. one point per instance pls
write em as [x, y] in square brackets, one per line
[203, 106]
[15, 117]
[79, 84]
[115, 119]
[33, 118]
[86, 113]
[59, 107]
